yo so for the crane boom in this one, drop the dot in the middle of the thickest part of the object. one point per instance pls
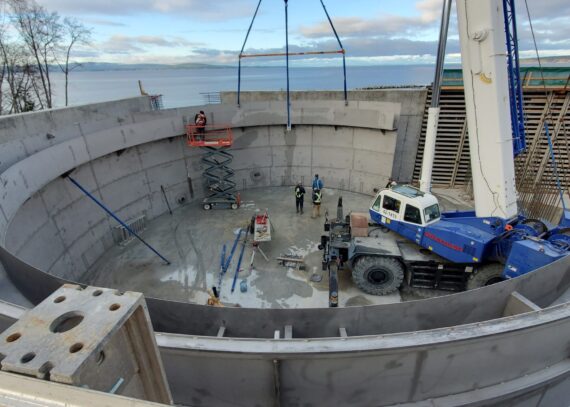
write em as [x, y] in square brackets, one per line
[485, 75]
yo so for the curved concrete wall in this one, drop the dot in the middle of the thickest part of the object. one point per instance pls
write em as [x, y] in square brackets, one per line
[486, 360]
[59, 230]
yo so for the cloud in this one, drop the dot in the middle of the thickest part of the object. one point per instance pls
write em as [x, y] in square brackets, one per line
[199, 9]
[395, 35]
[385, 25]
[98, 21]
[123, 44]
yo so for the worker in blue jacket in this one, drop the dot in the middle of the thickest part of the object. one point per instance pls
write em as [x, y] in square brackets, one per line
[317, 183]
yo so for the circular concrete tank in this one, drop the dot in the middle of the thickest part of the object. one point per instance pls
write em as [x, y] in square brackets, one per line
[469, 348]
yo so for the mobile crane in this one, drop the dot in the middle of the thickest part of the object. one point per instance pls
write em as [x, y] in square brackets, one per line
[461, 249]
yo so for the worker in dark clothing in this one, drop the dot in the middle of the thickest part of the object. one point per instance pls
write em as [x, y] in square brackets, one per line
[317, 197]
[200, 121]
[391, 183]
[317, 183]
[299, 197]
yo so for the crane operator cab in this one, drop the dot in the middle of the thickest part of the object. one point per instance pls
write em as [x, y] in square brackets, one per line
[405, 210]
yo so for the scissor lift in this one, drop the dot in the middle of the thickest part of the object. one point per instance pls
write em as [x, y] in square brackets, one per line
[215, 140]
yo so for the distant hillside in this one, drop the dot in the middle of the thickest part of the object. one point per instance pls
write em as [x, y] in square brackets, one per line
[108, 66]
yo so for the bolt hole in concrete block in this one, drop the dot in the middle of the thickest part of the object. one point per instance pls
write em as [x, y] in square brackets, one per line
[101, 357]
[66, 322]
[114, 307]
[119, 293]
[28, 357]
[59, 299]
[97, 293]
[76, 347]
[14, 337]
[45, 370]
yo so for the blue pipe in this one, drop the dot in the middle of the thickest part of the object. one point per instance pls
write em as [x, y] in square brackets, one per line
[341, 47]
[239, 261]
[554, 167]
[242, 48]
[287, 63]
[227, 263]
[132, 232]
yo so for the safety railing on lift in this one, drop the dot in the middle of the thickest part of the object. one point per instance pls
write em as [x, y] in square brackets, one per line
[209, 135]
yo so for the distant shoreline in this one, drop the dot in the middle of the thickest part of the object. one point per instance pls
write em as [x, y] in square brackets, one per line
[109, 66]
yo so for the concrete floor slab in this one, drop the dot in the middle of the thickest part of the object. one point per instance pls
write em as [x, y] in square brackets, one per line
[192, 240]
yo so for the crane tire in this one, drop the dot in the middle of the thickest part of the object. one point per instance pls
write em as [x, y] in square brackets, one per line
[378, 275]
[486, 274]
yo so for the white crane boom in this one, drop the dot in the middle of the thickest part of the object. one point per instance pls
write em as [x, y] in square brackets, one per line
[485, 78]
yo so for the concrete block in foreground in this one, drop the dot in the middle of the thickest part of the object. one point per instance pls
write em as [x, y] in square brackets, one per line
[91, 337]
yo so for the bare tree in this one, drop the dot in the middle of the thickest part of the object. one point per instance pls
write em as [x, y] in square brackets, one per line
[32, 41]
[21, 79]
[41, 31]
[75, 33]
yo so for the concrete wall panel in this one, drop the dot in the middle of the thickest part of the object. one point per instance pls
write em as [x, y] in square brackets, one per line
[373, 162]
[365, 183]
[379, 141]
[44, 248]
[77, 219]
[121, 193]
[290, 156]
[10, 153]
[161, 152]
[253, 177]
[327, 136]
[29, 220]
[64, 267]
[115, 166]
[252, 158]
[285, 176]
[133, 210]
[333, 157]
[166, 175]
[298, 136]
[249, 137]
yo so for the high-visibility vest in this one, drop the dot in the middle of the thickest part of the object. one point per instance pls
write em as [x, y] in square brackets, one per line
[298, 192]
[317, 197]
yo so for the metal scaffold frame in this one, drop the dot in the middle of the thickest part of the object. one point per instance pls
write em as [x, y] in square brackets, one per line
[287, 54]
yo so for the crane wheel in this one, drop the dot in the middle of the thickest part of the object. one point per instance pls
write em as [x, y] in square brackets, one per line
[378, 275]
[485, 275]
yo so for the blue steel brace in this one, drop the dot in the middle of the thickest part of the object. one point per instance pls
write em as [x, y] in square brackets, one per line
[241, 52]
[515, 85]
[342, 49]
[132, 232]
[287, 64]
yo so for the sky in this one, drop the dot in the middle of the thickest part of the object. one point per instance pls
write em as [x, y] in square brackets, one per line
[372, 31]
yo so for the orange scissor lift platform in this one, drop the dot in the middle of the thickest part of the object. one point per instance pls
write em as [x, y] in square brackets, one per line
[215, 141]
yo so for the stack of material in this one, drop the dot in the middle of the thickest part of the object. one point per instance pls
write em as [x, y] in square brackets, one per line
[359, 224]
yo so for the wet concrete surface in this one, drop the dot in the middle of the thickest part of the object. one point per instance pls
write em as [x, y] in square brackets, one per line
[192, 240]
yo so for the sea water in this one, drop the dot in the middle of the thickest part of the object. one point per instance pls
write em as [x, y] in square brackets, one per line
[186, 87]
